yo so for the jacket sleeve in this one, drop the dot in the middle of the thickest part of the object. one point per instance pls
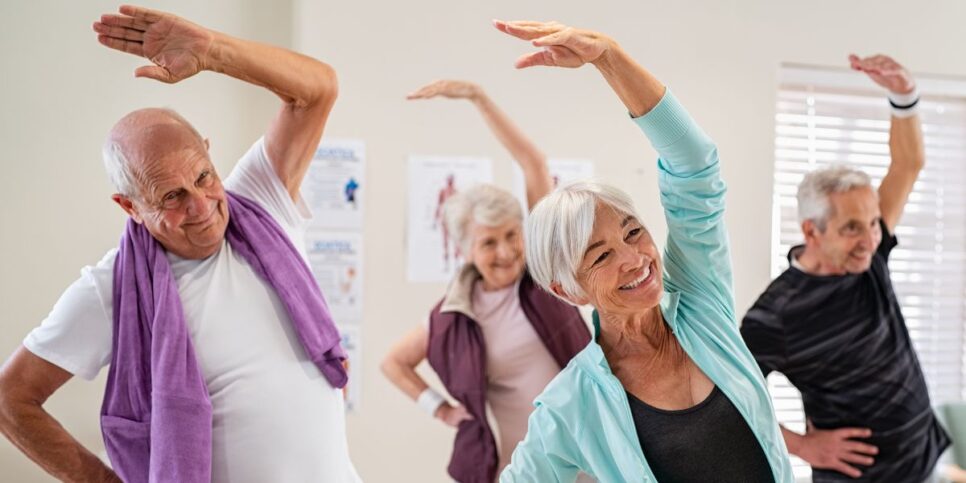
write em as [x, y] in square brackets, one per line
[697, 258]
[538, 458]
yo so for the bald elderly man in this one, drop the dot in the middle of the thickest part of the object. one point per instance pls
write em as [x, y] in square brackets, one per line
[224, 361]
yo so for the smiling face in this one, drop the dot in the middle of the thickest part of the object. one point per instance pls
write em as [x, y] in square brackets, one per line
[497, 253]
[851, 235]
[620, 272]
[180, 199]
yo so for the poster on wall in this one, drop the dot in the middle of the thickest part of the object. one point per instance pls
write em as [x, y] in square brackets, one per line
[562, 171]
[334, 187]
[432, 254]
[351, 340]
[336, 261]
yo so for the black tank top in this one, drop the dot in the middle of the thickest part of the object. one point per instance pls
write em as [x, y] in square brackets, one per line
[707, 442]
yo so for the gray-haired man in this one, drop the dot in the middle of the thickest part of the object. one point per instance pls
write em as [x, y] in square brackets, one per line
[224, 361]
[831, 322]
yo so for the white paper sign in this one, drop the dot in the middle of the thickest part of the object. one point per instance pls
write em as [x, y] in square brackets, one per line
[432, 253]
[334, 187]
[336, 261]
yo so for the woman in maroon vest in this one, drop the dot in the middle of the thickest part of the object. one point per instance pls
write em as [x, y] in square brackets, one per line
[495, 339]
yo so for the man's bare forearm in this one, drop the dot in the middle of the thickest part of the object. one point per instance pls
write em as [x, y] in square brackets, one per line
[906, 146]
[42, 439]
[298, 79]
[26, 382]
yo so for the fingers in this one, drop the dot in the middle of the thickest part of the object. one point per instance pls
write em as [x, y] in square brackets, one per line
[154, 72]
[118, 32]
[115, 20]
[853, 432]
[876, 64]
[559, 37]
[425, 92]
[857, 447]
[141, 13]
[122, 45]
[858, 459]
[542, 57]
[847, 470]
[527, 30]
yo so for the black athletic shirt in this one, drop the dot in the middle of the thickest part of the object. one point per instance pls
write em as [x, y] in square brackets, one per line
[842, 341]
[705, 443]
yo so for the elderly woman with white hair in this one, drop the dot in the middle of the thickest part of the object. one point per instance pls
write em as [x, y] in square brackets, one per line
[667, 390]
[495, 339]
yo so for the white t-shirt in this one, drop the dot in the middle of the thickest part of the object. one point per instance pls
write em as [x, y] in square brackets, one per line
[275, 417]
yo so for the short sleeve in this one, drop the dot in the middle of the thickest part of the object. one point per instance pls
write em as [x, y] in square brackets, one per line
[254, 177]
[77, 334]
[889, 241]
[764, 335]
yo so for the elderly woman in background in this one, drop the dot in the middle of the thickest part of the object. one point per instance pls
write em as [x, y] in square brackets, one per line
[667, 391]
[495, 338]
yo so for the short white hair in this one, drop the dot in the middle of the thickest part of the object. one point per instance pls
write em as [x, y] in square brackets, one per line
[559, 230]
[119, 169]
[815, 189]
[482, 204]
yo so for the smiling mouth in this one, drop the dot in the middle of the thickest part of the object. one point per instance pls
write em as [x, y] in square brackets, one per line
[646, 276]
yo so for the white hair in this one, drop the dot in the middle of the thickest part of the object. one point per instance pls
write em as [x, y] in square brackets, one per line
[118, 169]
[815, 189]
[559, 230]
[483, 204]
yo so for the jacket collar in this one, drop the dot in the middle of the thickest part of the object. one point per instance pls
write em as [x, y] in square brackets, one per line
[459, 294]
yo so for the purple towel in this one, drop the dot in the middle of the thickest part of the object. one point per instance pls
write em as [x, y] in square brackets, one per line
[156, 415]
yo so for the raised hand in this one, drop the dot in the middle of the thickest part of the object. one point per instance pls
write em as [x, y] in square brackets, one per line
[884, 71]
[563, 46]
[178, 48]
[452, 89]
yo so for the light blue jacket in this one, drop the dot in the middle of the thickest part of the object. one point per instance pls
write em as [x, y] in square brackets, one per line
[582, 421]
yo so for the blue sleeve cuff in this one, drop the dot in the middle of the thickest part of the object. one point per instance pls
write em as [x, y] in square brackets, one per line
[667, 122]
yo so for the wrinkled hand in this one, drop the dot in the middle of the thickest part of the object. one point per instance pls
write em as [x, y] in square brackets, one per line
[452, 415]
[452, 89]
[178, 48]
[885, 72]
[563, 46]
[835, 449]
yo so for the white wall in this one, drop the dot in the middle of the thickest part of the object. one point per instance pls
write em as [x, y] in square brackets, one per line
[62, 91]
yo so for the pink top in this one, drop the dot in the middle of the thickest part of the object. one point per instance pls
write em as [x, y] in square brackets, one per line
[518, 365]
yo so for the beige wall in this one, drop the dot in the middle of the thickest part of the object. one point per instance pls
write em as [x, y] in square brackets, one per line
[62, 91]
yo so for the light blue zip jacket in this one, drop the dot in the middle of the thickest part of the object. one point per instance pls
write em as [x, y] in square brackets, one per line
[582, 421]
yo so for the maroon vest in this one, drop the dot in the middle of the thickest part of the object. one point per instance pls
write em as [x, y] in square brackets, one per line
[457, 352]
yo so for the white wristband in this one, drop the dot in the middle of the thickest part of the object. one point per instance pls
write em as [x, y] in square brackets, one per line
[910, 99]
[429, 401]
